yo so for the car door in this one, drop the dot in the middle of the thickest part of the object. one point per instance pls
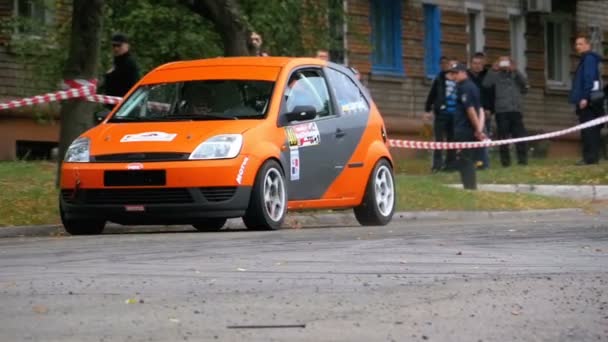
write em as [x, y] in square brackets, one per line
[352, 112]
[312, 142]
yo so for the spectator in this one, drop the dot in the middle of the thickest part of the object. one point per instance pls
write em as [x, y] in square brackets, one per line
[124, 72]
[477, 74]
[255, 44]
[323, 54]
[468, 126]
[586, 80]
[441, 100]
[509, 85]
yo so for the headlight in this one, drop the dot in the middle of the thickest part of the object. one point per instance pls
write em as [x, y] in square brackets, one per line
[223, 146]
[78, 152]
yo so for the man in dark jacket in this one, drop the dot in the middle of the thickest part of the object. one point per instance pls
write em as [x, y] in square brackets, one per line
[477, 73]
[509, 85]
[441, 100]
[587, 79]
[468, 123]
[124, 72]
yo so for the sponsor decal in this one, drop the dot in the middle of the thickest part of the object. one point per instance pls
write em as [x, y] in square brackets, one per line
[307, 134]
[135, 208]
[354, 107]
[135, 166]
[294, 156]
[292, 139]
[149, 136]
[239, 175]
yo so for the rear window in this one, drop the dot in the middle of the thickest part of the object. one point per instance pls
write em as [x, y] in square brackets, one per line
[197, 100]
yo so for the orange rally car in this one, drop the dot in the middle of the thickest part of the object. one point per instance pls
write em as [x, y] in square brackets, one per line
[197, 142]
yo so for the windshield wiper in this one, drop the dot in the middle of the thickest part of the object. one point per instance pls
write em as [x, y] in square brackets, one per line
[257, 116]
[199, 117]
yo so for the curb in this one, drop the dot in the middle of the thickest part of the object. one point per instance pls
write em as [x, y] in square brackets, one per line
[304, 220]
[577, 192]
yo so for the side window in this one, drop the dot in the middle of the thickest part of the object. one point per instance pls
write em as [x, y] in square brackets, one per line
[308, 88]
[348, 95]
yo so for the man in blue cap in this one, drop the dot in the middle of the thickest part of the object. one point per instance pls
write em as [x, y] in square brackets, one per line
[468, 123]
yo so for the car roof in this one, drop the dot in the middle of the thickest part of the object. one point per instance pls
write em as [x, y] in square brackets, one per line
[260, 68]
[242, 62]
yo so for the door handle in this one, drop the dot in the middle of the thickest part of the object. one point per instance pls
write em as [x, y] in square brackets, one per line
[340, 133]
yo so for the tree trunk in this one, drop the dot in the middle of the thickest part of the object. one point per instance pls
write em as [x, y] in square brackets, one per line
[228, 21]
[77, 115]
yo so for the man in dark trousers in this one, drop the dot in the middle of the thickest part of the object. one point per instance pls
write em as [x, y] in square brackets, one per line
[124, 72]
[468, 123]
[586, 80]
[477, 73]
[437, 101]
[509, 86]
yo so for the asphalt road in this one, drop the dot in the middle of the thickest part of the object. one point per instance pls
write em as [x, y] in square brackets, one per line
[461, 280]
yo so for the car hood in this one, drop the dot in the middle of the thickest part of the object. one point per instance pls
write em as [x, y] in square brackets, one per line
[179, 136]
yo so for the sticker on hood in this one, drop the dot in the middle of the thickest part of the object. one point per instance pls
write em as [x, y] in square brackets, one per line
[149, 136]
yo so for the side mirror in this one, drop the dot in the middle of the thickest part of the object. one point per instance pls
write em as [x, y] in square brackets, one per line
[101, 115]
[301, 113]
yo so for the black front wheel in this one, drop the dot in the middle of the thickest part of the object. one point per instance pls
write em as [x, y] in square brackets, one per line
[81, 227]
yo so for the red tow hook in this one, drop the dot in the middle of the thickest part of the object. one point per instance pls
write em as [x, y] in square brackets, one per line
[76, 188]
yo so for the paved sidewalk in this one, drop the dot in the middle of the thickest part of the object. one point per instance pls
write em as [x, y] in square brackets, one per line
[576, 192]
[313, 219]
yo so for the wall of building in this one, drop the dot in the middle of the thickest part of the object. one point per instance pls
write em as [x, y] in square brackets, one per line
[13, 129]
[401, 99]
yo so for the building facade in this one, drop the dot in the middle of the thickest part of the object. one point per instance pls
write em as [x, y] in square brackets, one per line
[397, 45]
[30, 132]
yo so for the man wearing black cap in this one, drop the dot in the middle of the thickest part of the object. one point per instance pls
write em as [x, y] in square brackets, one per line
[468, 125]
[124, 72]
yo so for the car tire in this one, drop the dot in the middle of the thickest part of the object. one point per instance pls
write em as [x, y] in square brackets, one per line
[82, 227]
[378, 204]
[210, 224]
[268, 204]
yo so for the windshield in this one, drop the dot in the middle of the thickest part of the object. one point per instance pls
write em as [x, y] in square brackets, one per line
[197, 100]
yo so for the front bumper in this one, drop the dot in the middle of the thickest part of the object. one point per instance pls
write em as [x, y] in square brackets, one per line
[154, 205]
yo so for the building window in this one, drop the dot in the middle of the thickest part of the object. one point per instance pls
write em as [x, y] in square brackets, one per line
[595, 34]
[32, 15]
[432, 39]
[386, 37]
[518, 41]
[557, 47]
[475, 30]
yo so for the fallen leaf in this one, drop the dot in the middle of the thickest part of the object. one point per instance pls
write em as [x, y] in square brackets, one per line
[40, 309]
[131, 301]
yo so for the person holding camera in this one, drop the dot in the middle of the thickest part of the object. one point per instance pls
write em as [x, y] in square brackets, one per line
[508, 85]
[586, 94]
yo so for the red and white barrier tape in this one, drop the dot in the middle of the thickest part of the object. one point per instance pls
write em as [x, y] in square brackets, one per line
[433, 145]
[49, 97]
[86, 89]
[103, 99]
